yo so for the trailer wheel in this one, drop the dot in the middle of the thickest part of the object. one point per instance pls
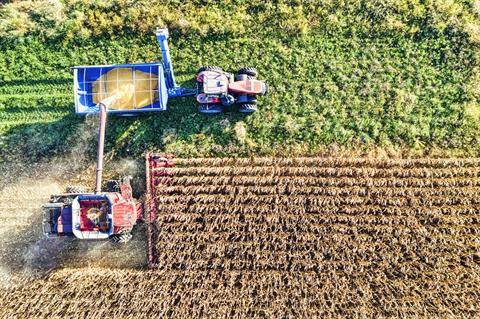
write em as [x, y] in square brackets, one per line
[209, 108]
[210, 68]
[76, 189]
[248, 71]
[247, 108]
[121, 238]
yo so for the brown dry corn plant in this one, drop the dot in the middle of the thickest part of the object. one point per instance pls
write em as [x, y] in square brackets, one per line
[383, 238]
[289, 238]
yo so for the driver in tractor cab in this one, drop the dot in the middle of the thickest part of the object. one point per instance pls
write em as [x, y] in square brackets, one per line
[99, 216]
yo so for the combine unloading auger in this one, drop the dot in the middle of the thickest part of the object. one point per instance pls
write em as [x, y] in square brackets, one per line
[98, 215]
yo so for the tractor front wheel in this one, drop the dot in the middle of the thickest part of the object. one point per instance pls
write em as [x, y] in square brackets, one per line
[121, 238]
[210, 68]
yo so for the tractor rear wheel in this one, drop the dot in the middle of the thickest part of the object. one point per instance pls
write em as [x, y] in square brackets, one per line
[210, 68]
[209, 108]
[243, 77]
[121, 238]
[248, 71]
[76, 189]
[247, 108]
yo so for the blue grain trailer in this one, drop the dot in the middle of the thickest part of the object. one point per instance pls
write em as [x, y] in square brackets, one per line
[136, 88]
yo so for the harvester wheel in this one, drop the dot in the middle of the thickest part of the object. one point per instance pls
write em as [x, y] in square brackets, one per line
[113, 185]
[76, 189]
[210, 68]
[247, 108]
[248, 71]
[121, 238]
[209, 108]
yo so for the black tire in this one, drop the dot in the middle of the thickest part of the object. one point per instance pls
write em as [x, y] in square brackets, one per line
[243, 77]
[76, 189]
[121, 238]
[113, 185]
[248, 71]
[210, 68]
[247, 108]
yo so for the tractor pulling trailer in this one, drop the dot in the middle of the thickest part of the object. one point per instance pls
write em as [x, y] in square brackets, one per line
[129, 89]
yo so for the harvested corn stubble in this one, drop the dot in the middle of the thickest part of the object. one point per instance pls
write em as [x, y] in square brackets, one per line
[393, 237]
[287, 238]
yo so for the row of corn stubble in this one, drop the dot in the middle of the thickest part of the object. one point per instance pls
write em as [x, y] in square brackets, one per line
[289, 238]
[405, 230]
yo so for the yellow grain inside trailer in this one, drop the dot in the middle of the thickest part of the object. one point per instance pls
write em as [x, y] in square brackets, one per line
[133, 89]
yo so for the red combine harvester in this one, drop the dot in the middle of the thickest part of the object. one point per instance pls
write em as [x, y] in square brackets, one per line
[99, 215]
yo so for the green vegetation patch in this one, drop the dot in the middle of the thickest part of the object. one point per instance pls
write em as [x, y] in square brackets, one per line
[356, 75]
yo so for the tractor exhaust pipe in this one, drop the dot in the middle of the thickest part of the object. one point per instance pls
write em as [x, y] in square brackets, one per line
[101, 143]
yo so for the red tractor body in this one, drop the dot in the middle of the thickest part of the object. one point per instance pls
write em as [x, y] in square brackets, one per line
[217, 89]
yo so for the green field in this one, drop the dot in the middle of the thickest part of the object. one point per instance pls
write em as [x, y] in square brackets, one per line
[400, 76]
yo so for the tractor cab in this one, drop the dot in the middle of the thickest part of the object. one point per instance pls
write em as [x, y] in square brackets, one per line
[214, 82]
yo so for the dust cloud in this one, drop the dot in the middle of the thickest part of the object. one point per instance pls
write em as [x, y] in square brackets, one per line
[25, 187]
